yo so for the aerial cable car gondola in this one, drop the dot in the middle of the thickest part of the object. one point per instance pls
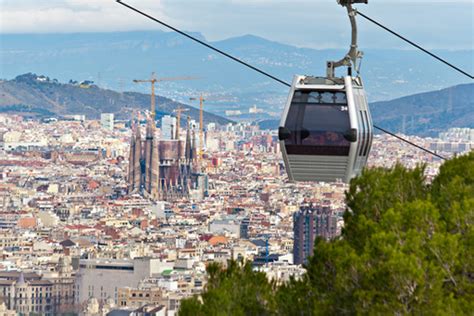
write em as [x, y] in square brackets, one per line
[326, 130]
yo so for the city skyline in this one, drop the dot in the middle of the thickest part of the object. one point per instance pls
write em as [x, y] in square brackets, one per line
[104, 245]
[269, 196]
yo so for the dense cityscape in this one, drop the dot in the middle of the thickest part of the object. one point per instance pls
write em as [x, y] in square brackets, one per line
[258, 158]
[106, 215]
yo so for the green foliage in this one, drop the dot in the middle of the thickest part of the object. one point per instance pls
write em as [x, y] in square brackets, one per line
[407, 248]
[236, 290]
[376, 191]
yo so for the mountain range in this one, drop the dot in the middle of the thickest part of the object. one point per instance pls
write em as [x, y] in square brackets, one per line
[113, 60]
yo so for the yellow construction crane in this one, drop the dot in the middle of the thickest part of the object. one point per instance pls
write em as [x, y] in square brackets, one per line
[154, 80]
[201, 123]
[201, 119]
[178, 112]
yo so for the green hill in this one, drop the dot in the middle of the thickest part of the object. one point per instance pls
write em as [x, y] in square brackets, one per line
[423, 114]
[40, 96]
[427, 114]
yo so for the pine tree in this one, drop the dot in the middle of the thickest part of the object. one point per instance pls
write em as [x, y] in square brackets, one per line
[235, 290]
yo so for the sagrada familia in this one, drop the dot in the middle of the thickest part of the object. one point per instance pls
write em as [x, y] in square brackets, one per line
[162, 169]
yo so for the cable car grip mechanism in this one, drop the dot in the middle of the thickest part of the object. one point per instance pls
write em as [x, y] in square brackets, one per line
[350, 60]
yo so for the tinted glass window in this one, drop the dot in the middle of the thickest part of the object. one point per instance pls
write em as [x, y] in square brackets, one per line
[362, 138]
[317, 121]
[367, 145]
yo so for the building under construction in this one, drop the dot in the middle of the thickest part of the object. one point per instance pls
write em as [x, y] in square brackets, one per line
[163, 169]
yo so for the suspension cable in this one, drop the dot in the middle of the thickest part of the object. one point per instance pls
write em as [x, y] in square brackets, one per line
[258, 70]
[415, 45]
[204, 43]
[409, 142]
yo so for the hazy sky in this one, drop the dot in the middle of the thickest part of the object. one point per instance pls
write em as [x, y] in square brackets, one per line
[310, 23]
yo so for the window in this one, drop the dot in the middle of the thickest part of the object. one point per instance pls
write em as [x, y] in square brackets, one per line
[362, 139]
[367, 144]
[318, 122]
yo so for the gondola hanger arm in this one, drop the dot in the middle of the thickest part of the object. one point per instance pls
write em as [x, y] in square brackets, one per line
[350, 59]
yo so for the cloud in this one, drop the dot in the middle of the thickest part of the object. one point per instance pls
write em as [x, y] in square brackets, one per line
[307, 23]
[74, 16]
[324, 24]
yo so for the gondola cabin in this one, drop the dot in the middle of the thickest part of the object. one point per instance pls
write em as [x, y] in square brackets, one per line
[326, 130]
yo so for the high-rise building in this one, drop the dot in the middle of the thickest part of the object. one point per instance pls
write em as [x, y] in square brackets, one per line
[107, 121]
[308, 223]
[168, 127]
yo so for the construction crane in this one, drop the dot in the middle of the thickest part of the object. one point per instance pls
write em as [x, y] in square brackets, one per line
[201, 118]
[154, 80]
[178, 112]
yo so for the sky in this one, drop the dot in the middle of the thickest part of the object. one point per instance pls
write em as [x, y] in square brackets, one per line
[435, 24]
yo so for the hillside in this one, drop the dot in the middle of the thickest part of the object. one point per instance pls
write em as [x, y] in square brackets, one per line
[29, 95]
[427, 114]
[423, 114]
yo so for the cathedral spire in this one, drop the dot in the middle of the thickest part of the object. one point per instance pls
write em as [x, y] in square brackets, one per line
[151, 160]
[188, 149]
[134, 167]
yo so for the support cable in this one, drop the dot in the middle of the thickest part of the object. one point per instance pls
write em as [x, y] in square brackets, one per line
[203, 43]
[258, 70]
[415, 45]
[409, 142]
